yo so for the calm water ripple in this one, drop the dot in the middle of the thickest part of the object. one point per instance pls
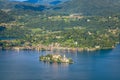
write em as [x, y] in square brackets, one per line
[25, 65]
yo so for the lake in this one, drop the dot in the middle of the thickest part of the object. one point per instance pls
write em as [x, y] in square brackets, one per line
[25, 65]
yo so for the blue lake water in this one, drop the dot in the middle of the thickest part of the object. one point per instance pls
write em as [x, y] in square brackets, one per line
[25, 65]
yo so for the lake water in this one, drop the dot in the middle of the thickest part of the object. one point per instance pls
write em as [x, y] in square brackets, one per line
[25, 65]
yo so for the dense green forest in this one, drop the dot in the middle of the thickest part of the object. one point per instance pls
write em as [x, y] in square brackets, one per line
[27, 26]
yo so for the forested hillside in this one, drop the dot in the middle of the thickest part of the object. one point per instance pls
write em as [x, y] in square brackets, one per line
[4, 17]
[79, 24]
[92, 7]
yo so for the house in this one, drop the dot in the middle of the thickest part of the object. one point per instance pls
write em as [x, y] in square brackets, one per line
[56, 56]
[76, 15]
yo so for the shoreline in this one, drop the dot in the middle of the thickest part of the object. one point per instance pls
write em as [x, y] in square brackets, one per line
[47, 48]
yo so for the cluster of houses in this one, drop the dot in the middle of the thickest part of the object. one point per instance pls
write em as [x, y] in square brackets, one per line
[71, 16]
[56, 58]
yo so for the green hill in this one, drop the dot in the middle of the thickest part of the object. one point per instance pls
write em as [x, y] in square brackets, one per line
[91, 7]
[85, 7]
[31, 25]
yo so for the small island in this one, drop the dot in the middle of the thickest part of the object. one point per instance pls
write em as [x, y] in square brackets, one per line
[53, 58]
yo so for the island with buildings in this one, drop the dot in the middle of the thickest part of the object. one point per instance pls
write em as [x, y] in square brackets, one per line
[55, 58]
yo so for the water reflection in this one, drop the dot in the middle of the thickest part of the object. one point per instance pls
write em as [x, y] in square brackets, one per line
[56, 71]
[56, 66]
[25, 65]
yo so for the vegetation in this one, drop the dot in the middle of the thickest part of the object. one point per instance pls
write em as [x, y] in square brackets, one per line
[49, 29]
[91, 7]
[4, 17]
[55, 58]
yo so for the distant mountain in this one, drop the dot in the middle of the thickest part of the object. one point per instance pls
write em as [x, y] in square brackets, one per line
[92, 7]
[32, 1]
[85, 7]
[53, 2]
[31, 7]
[16, 5]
